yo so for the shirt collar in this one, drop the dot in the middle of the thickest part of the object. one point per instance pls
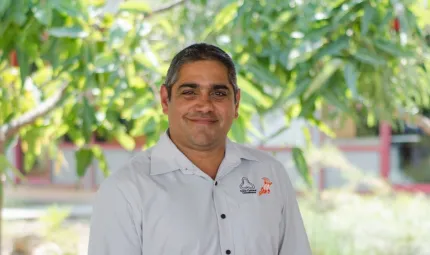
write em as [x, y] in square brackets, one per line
[166, 157]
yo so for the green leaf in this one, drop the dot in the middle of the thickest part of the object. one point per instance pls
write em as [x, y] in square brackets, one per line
[302, 166]
[284, 98]
[69, 32]
[4, 6]
[24, 64]
[259, 96]
[118, 33]
[43, 13]
[318, 33]
[386, 21]
[371, 119]
[42, 75]
[99, 155]
[323, 127]
[224, 17]
[88, 119]
[84, 158]
[150, 124]
[29, 161]
[143, 59]
[333, 98]
[333, 48]
[322, 77]
[350, 74]
[307, 134]
[238, 130]
[264, 75]
[126, 141]
[135, 6]
[18, 11]
[71, 8]
[369, 13]
[367, 57]
[392, 48]
[105, 62]
[273, 135]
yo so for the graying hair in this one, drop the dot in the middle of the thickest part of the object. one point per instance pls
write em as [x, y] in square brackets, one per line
[197, 52]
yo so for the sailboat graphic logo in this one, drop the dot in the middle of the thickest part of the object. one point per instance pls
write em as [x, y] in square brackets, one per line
[246, 187]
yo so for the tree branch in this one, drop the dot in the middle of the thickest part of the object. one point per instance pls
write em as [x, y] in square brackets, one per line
[166, 8]
[9, 129]
[420, 120]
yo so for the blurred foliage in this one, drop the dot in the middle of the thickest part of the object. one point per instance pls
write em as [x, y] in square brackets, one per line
[344, 223]
[84, 73]
[379, 221]
[300, 55]
[53, 233]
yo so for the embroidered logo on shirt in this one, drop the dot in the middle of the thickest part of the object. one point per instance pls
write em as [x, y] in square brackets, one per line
[265, 189]
[246, 187]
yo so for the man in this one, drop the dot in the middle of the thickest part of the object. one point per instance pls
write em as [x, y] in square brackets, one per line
[196, 192]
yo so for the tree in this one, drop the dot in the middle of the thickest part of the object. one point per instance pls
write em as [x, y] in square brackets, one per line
[343, 53]
[82, 71]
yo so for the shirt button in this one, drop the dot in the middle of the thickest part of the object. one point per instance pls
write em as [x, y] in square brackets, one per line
[223, 216]
[216, 183]
[227, 252]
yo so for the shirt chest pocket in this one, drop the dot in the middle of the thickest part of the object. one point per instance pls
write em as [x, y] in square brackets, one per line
[257, 225]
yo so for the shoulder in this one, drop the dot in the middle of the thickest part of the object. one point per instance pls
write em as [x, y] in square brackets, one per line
[126, 180]
[137, 165]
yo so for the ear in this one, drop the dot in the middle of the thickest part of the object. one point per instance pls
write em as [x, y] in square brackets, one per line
[164, 99]
[236, 107]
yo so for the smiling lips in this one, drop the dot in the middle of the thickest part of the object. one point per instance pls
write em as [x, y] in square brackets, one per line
[204, 121]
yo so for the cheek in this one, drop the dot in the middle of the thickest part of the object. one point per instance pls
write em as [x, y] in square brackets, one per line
[177, 111]
[227, 112]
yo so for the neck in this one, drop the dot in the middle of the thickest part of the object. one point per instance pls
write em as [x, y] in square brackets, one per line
[207, 160]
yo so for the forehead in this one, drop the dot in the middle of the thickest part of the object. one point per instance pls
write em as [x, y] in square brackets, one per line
[203, 73]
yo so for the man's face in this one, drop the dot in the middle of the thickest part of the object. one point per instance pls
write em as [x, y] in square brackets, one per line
[202, 105]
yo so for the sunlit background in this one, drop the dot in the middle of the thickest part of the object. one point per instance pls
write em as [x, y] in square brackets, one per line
[337, 90]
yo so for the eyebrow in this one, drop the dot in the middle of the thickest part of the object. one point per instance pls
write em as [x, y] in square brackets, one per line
[194, 86]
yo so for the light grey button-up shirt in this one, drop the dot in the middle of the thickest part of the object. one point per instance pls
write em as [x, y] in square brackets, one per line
[160, 203]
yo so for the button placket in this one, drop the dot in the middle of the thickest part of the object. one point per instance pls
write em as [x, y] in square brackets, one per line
[224, 226]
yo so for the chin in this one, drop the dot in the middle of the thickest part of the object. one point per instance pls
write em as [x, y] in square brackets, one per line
[203, 140]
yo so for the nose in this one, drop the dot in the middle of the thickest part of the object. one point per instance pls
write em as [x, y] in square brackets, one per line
[204, 103]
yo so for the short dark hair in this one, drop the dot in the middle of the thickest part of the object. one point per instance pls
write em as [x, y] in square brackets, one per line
[197, 52]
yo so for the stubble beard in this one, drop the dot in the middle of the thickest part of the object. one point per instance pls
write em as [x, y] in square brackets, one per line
[203, 137]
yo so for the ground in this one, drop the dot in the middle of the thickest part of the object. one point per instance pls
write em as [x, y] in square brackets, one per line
[45, 211]
[71, 236]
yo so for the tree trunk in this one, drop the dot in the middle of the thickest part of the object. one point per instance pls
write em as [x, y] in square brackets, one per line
[1, 210]
[2, 179]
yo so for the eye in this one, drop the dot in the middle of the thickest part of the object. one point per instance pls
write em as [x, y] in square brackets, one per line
[188, 92]
[220, 93]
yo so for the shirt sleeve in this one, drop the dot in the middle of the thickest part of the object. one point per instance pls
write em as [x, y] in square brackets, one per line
[294, 240]
[113, 228]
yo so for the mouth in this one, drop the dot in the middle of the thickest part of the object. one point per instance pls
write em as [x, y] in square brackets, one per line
[203, 121]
